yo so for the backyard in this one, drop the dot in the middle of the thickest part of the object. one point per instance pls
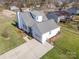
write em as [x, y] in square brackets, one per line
[10, 36]
[66, 47]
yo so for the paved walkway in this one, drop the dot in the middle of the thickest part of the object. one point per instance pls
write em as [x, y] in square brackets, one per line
[30, 50]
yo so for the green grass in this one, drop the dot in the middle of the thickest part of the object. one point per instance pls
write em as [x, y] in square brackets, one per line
[15, 38]
[66, 47]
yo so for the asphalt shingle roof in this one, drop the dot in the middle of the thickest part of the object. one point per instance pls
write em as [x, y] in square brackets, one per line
[43, 27]
[46, 26]
[27, 18]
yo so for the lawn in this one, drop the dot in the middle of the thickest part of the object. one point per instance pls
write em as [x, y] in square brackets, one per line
[76, 17]
[10, 36]
[66, 47]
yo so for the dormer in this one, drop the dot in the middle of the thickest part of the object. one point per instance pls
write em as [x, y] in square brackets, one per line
[37, 16]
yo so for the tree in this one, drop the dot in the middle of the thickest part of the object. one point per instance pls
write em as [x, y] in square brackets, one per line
[20, 5]
[64, 5]
[7, 4]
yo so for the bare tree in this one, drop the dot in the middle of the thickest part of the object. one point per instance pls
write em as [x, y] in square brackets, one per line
[20, 5]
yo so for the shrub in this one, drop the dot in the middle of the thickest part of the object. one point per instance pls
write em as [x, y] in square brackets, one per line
[29, 37]
[5, 33]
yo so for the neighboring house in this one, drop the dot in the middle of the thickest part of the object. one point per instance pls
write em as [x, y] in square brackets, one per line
[60, 2]
[52, 5]
[73, 10]
[2, 1]
[66, 1]
[58, 16]
[36, 23]
[14, 8]
[53, 16]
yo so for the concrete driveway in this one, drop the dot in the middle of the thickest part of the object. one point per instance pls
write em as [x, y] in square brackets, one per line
[30, 50]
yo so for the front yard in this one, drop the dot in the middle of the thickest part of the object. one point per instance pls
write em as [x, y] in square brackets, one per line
[66, 47]
[10, 36]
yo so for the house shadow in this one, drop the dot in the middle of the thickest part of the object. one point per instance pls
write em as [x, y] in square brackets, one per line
[15, 24]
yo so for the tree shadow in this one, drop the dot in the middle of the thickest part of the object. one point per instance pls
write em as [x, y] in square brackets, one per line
[15, 24]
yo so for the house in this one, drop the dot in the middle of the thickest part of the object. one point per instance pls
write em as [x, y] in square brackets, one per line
[66, 1]
[58, 16]
[60, 2]
[52, 6]
[53, 16]
[73, 10]
[36, 23]
[14, 8]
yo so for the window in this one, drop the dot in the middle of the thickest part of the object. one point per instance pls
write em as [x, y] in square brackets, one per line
[50, 32]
